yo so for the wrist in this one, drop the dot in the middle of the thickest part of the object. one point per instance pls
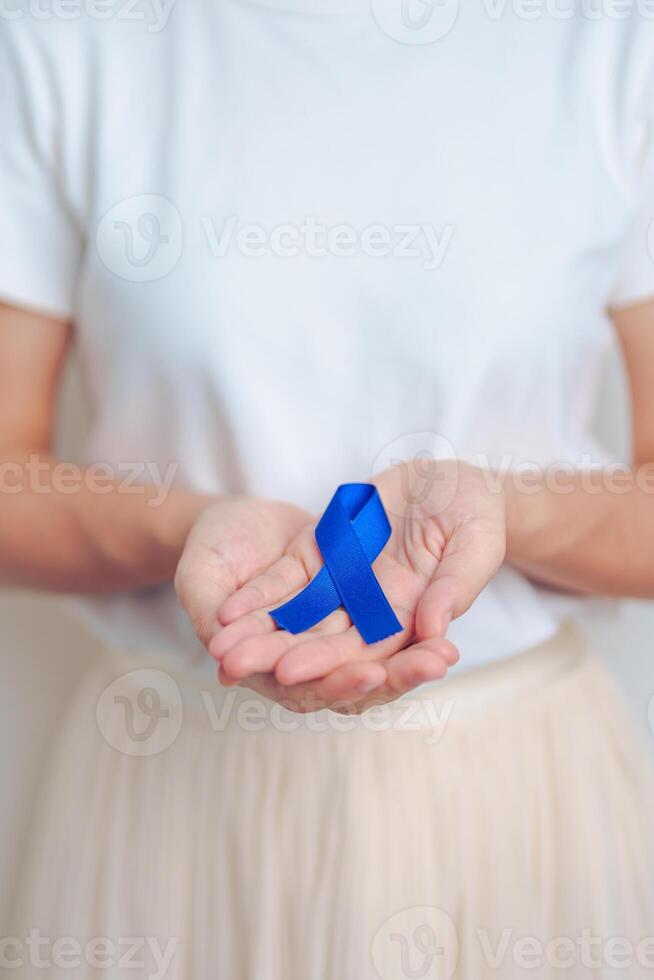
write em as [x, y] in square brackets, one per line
[169, 525]
[527, 507]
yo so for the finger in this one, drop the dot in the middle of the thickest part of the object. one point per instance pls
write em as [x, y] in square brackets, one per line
[343, 693]
[471, 559]
[405, 671]
[201, 589]
[283, 579]
[423, 663]
[261, 649]
[225, 679]
[256, 655]
[358, 685]
[258, 623]
[348, 685]
[304, 698]
[318, 655]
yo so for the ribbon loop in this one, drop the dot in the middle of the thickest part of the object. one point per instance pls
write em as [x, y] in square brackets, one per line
[351, 534]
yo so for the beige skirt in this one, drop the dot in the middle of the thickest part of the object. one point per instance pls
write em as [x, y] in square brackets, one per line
[500, 825]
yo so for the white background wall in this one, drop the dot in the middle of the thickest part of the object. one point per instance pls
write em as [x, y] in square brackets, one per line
[43, 651]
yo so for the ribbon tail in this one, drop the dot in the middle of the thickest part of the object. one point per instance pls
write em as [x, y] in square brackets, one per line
[310, 606]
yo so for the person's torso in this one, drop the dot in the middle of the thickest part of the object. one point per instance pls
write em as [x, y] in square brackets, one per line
[313, 248]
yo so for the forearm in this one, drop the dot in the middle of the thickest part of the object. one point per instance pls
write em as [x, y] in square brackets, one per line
[587, 533]
[69, 532]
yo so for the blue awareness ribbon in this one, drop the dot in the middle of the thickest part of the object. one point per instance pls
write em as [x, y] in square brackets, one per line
[350, 534]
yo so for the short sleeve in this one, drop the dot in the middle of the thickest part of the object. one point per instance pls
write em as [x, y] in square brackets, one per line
[635, 281]
[40, 245]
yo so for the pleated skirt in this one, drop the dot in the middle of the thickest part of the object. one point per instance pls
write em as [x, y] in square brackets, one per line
[496, 825]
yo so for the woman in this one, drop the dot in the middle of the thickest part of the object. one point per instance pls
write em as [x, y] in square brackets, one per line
[299, 244]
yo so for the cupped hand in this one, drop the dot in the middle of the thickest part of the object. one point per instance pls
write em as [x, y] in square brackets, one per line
[448, 540]
[233, 540]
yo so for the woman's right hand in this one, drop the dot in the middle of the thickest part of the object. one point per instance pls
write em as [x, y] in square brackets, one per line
[232, 540]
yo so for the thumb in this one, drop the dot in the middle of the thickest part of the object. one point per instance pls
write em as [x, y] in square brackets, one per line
[471, 558]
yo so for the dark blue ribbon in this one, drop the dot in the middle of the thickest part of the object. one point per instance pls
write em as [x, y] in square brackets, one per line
[350, 534]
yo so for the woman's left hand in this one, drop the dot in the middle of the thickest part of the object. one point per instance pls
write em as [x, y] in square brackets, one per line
[448, 540]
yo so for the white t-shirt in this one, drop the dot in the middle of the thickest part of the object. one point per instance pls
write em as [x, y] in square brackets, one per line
[302, 239]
